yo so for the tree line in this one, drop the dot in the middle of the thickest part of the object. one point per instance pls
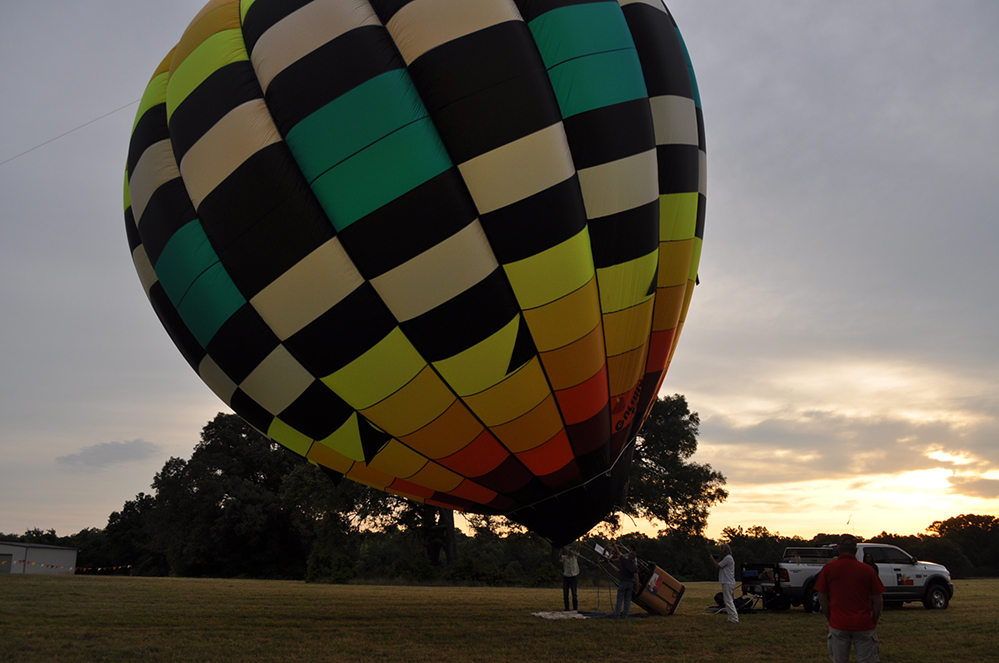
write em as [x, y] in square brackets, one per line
[243, 506]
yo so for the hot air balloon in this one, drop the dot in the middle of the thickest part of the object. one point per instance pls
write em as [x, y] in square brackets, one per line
[444, 248]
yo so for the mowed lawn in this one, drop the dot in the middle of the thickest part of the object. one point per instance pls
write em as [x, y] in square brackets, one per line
[78, 618]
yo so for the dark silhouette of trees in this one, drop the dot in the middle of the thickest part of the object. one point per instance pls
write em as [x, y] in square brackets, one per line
[222, 513]
[665, 485]
[977, 536]
[757, 544]
[36, 535]
[129, 538]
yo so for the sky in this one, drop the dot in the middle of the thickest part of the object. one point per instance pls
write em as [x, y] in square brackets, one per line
[841, 348]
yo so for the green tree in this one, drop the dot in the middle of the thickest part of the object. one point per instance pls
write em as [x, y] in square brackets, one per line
[665, 485]
[328, 510]
[91, 547]
[757, 544]
[36, 535]
[943, 551]
[129, 538]
[903, 541]
[425, 527]
[221, 513]
[977, 536]
[335, 515]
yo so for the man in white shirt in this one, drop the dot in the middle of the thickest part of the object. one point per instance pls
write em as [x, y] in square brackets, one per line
[726, 576]
[570, 573]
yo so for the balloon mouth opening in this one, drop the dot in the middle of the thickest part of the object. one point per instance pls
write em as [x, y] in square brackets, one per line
[570, 514]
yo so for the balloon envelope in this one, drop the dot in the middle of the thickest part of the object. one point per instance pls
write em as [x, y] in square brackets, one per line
[441, 247]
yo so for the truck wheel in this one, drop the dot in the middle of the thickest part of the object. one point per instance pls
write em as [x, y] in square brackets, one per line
[811, 599]
[936, 598]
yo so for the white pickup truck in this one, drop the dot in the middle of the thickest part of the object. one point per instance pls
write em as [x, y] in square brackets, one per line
[792, 580]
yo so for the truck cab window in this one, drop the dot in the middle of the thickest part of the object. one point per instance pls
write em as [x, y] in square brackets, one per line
[896, 556]
[878, 554]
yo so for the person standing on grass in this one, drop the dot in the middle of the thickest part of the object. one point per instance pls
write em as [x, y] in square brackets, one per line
[627, 578]
[850, 595]
[726, 578]
[570, 575]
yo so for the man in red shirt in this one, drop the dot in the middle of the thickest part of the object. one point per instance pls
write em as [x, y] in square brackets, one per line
[850, 595]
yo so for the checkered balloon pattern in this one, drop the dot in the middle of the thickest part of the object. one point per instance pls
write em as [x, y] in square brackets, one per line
[444, 248]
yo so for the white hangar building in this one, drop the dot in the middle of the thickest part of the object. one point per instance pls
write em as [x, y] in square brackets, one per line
[17, 557]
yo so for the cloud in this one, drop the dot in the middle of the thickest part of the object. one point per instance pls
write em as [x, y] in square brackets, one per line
[798, 446]
[975, 487]
[904, 503]
[106, 454]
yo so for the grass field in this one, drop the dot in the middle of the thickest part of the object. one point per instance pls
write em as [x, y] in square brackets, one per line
[77, 618]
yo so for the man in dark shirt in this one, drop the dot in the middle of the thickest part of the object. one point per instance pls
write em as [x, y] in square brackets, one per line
[850, 595]
[627, 578]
